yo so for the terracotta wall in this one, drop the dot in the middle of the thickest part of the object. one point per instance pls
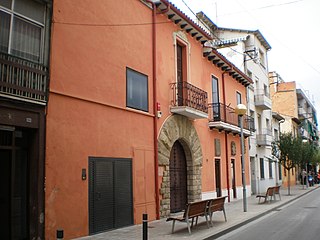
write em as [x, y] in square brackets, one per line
[92, 44]
[200, 73]
[87, 114]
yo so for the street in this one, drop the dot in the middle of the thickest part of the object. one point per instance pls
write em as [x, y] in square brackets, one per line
[298, 220]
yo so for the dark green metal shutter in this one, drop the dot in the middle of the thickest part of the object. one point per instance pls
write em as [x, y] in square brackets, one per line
[110, 194]
[123, 193]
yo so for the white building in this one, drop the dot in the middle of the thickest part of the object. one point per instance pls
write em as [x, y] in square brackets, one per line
[248, 51]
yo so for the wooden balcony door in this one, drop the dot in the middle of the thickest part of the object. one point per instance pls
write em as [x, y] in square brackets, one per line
[180, 74]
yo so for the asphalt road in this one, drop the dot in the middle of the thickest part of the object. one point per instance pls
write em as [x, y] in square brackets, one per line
[300, 220]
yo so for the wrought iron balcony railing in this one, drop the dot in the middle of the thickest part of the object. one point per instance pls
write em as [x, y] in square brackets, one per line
[219, 112]
[187, 95]
[23, 79]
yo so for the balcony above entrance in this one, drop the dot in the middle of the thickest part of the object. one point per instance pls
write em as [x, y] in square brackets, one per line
[189, 100]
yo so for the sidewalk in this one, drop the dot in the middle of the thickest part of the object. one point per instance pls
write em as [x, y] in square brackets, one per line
[160, 229]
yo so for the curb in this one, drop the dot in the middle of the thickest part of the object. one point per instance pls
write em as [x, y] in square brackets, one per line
[234, 227]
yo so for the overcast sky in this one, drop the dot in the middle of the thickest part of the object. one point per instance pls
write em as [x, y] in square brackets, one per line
[291, 27]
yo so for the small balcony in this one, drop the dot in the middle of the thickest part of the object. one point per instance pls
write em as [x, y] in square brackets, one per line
[262, 100]
[189, 100]
[302, 112]
[264, 138]
[224, 118]
[23, 80]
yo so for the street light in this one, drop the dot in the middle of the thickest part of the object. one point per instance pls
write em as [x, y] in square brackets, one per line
[241, 110]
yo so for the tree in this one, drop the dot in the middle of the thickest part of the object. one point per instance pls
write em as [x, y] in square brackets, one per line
[290, 152]
[316, 156]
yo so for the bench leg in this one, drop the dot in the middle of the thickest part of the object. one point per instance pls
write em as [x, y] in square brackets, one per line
[174, 221]
[211, 219]
[188, 224]
[224, 213]
[206, 216]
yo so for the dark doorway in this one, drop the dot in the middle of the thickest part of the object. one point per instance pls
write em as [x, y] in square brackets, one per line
[110, 194]
[14, 182]
[218, 177]
[178, 178]
[233, 177]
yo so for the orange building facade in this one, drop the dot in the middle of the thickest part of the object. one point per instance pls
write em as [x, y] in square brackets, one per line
[140, 116]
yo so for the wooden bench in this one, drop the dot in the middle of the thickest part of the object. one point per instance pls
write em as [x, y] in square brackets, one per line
[271, 193]
[193, 210]
[268, 195]
[216, 205]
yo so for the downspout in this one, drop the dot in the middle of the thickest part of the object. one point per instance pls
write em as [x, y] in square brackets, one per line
[155, 125]
[226, 137]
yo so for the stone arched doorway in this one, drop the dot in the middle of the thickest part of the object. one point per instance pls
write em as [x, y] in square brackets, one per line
[179, 128]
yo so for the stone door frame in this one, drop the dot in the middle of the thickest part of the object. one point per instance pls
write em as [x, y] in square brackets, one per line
[179, 128]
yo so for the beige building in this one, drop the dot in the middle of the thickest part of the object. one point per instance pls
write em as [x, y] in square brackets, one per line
[297, 110]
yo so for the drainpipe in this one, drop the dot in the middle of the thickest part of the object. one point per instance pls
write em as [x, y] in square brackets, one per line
[155, 125]
[226, 137]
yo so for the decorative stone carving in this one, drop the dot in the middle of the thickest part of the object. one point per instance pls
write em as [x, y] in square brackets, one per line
[233, 148]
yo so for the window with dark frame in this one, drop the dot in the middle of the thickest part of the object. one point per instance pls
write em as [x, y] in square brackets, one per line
[261, 168]
[270, 169]
[215, 98]
[239, 98]
[137, 90]
[280, 171]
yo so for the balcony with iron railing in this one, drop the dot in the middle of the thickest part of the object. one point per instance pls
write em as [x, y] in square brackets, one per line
[23, 80]
[224, 118]
[262, 99]
[264, 137]
[189, 100]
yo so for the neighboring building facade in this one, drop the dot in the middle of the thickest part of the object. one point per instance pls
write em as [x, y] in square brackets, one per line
[140, 117]
[300, 114]
[24, 78]
[308, 116]
[248, 50]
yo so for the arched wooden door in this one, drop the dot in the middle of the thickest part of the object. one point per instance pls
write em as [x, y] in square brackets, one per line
[178, 178]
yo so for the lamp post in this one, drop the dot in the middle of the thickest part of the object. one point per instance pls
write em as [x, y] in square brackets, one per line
[240, 111]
